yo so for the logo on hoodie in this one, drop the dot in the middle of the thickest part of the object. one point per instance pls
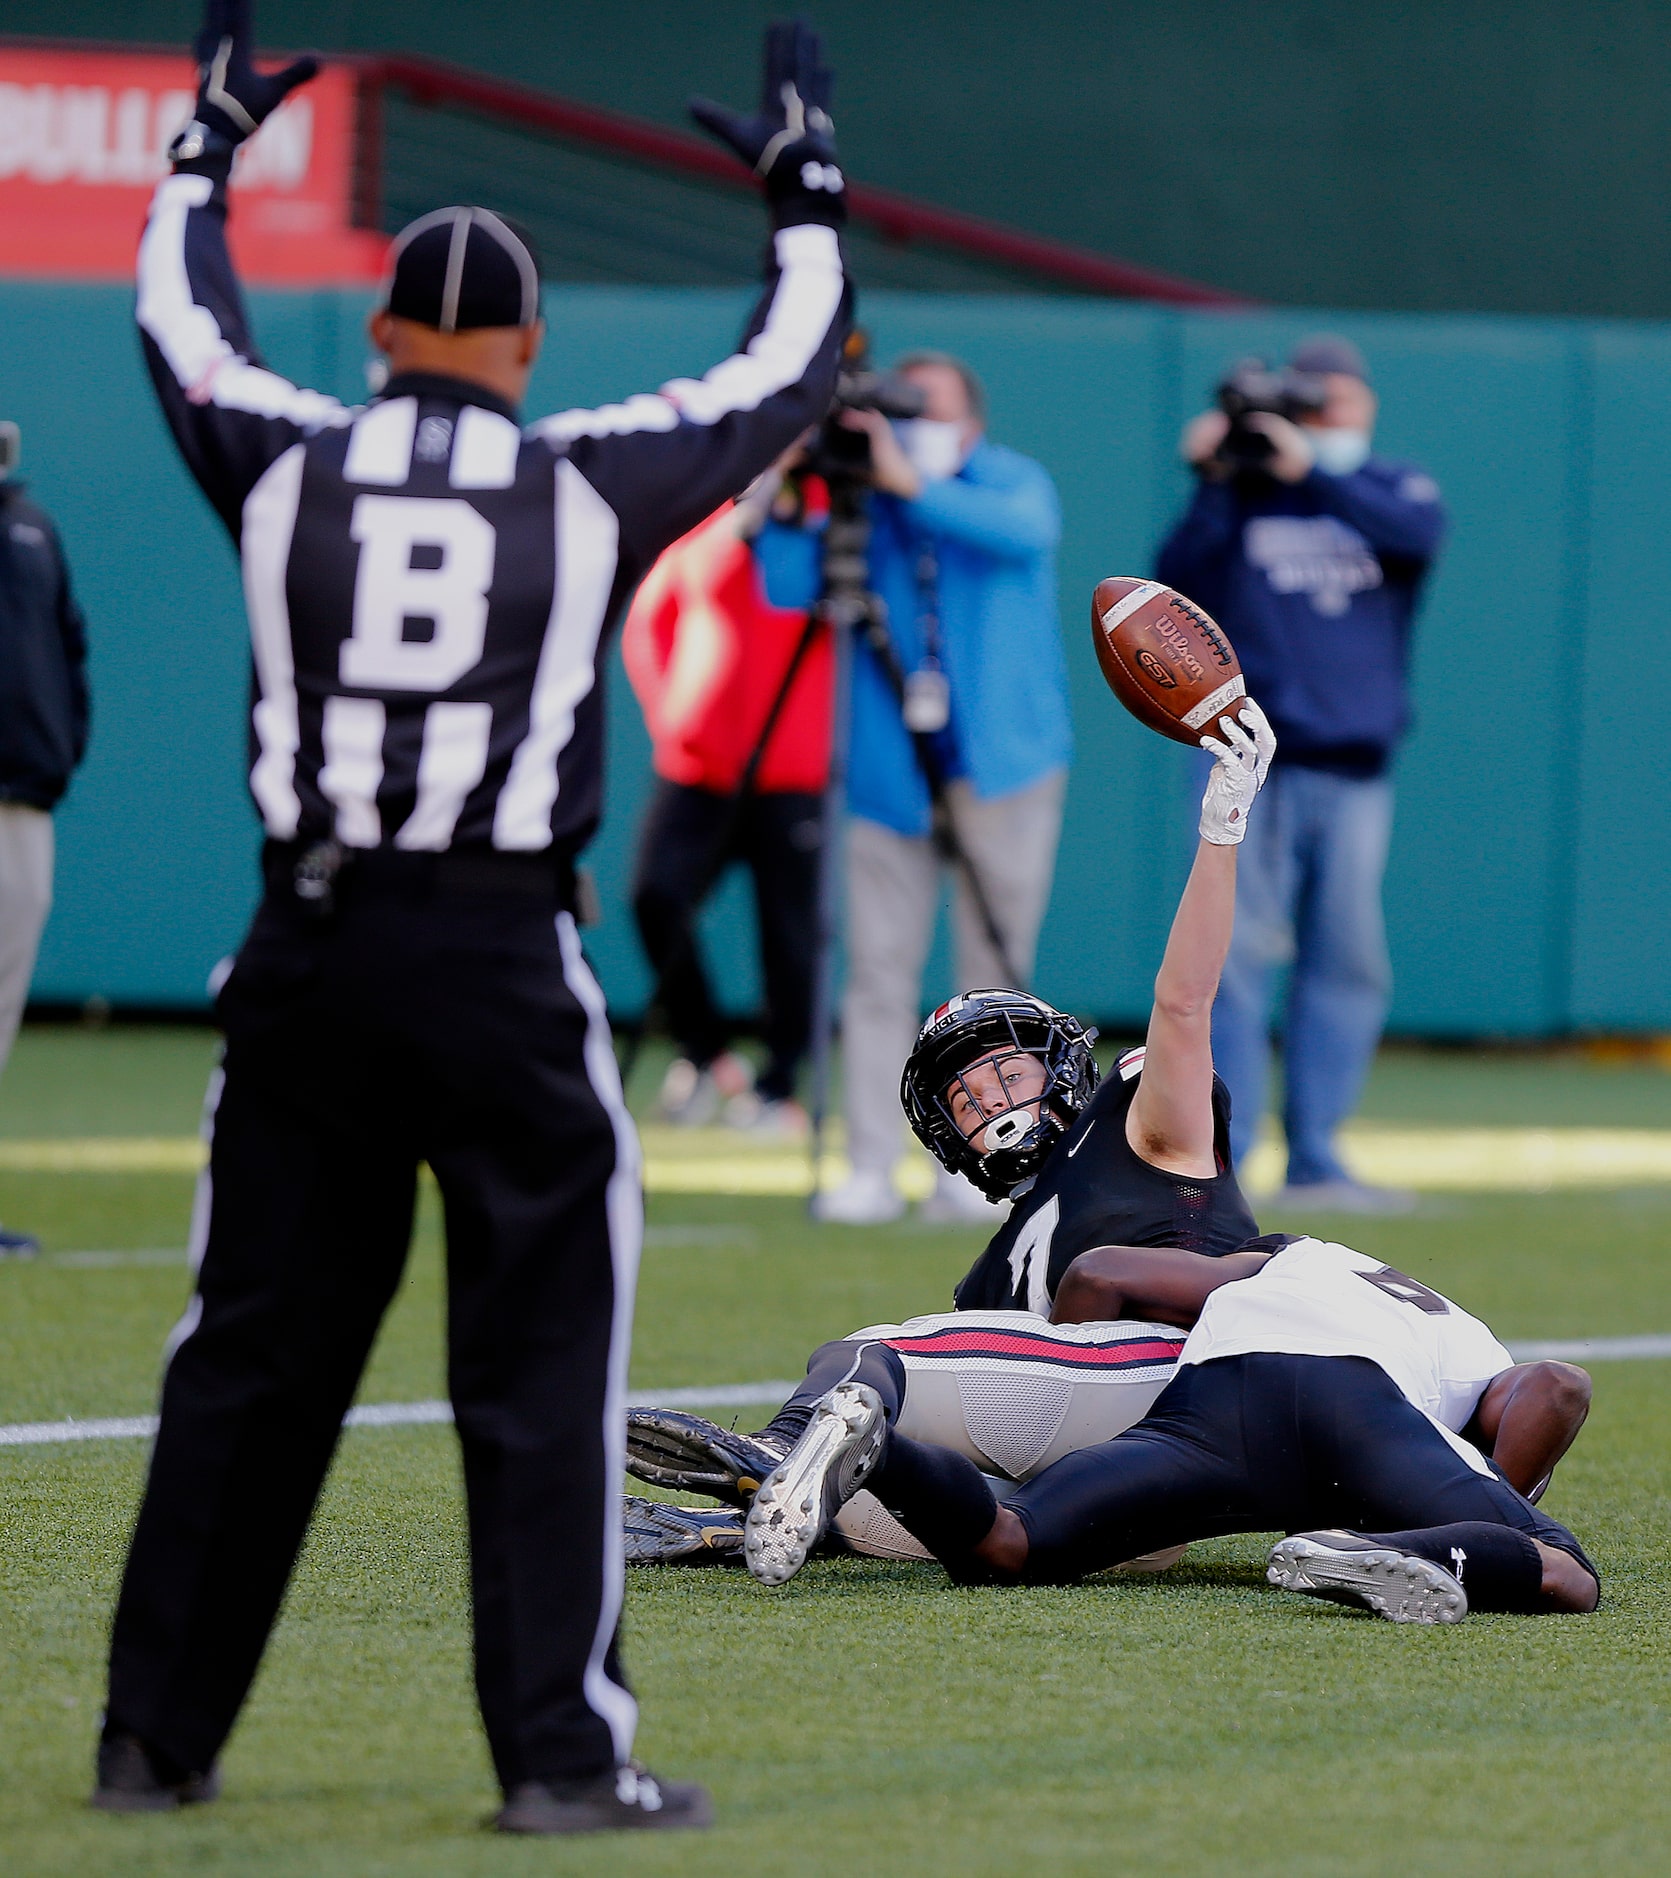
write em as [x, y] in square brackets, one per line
[1314, 555]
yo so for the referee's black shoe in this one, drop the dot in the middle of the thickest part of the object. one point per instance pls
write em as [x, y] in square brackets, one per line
[626, 1799]
[133, 1778]
[690, 1454]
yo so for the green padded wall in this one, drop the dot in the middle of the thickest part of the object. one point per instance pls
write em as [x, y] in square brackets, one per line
[1530, 887]
[1504, 155]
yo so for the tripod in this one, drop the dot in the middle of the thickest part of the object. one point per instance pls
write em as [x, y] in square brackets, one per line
[719, 855]
[852, 609]
[847, 607]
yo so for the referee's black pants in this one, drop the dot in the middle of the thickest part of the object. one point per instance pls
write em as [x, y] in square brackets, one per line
[690, 836]
[465, 1031]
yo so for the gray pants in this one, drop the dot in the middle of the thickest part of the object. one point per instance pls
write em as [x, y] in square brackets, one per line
[25, 900]
[893, 892]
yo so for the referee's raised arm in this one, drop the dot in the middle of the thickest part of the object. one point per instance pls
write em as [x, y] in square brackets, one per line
[230, 415]
[665, 461]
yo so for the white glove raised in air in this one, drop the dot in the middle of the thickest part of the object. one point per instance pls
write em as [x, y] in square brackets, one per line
[1241, 762]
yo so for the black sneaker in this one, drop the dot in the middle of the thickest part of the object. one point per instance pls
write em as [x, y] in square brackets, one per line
[656, 1532]
[690, 1454]
[18, 1245]
[1350, 1569]
[133, 1778]
[627, 1799]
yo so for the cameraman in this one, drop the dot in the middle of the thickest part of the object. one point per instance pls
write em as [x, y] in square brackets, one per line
[962, 553]
[1311, 552]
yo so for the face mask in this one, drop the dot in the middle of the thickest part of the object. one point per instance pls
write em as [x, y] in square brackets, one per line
[1339, 452]
[933, 447]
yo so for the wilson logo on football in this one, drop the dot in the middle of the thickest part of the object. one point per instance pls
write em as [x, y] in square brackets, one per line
[1155, 668]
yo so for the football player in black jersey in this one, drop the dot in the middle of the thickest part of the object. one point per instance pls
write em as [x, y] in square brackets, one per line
[1003, 1088]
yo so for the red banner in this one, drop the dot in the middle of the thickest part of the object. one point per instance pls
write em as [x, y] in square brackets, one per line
[82, 142]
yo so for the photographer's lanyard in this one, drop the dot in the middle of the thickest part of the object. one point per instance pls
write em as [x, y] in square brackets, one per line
[927, 700]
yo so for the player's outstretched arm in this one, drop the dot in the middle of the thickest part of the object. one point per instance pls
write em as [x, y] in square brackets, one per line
[1170, 1121]
[664, 461]
[230, 416]
[1155, 1284]
[1528, 1418]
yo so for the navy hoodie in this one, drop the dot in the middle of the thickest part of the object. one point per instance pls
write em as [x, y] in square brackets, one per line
[43, 658]
[1316, 582]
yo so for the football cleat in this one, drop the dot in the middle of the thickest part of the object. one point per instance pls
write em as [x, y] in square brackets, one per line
[690, 1454]
[821, 1473]
[1350, 1569]
[626, 1799]
[656, 1532]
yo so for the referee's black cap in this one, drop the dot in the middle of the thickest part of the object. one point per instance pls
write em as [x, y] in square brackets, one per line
[457, 269]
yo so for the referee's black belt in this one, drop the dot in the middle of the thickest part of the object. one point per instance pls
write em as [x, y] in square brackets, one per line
[316, 874]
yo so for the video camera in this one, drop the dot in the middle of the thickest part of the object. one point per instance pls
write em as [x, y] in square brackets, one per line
[1254, 385]
[841, 454]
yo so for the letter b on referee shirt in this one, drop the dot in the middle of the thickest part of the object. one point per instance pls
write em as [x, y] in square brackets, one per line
[421, 559]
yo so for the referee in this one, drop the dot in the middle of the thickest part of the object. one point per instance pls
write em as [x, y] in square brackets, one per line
[429, 586]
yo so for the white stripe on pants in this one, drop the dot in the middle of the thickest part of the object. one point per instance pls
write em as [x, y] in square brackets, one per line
[625, 1203]
[893, 892]
[26, 849]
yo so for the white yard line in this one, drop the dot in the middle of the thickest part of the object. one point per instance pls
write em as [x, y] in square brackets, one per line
[719, 1395]
[1592, 1349]
[102, 1261]
[384, 1414]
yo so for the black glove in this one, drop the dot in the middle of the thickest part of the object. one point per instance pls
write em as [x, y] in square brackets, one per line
[233, 98]
[790, 141]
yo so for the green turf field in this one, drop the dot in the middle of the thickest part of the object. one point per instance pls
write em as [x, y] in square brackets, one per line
[867, 1718]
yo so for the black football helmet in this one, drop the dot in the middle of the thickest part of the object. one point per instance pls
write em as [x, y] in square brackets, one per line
[983, 1024]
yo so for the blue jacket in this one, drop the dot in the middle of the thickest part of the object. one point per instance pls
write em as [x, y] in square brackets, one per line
[1316, 583]
[994, 527]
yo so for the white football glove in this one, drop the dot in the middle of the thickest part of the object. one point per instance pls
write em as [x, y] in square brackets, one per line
[1241, 763]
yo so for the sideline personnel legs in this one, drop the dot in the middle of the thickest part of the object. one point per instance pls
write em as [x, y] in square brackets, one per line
[1011, 844]
[893, 882]
[26, 850]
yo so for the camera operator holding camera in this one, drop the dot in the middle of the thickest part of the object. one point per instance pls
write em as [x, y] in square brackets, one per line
[1311, 552]
[961, 701]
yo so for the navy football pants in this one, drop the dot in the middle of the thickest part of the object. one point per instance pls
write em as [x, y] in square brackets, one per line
[1256, 1444]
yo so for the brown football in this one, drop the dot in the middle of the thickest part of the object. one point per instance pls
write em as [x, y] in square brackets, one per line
[1164, 659]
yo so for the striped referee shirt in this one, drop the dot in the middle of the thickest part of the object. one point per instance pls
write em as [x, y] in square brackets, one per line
[429, 582]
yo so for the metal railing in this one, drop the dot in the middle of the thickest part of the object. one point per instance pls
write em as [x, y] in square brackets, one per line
[898, 220]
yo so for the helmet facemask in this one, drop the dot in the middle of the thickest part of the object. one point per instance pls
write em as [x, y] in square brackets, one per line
[992, 1027]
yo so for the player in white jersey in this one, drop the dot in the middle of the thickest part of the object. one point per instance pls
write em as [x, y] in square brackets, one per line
[1008, 1389]
[1015, 1393]
[1318, 1391]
